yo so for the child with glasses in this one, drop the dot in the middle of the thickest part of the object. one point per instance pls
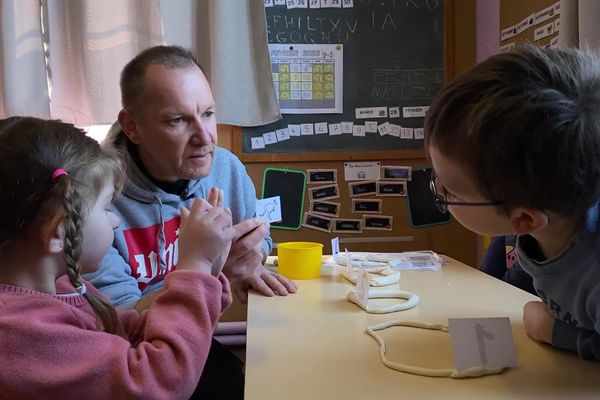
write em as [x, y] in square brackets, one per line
[515, 144]
[60, 338]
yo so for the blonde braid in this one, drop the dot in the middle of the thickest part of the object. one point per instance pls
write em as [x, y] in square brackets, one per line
[73, 224]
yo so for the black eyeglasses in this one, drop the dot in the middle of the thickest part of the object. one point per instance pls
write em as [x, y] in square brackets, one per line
[442, 202]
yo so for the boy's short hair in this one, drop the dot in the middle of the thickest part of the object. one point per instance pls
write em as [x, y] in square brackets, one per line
[526, 126]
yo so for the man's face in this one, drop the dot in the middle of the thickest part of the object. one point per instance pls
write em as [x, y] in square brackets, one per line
[174, 124]
[457, 185]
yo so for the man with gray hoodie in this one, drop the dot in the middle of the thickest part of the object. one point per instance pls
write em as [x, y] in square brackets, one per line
[167, 134]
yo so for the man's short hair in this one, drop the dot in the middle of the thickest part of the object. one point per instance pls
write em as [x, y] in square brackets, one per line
[526, 127]
[132, 76]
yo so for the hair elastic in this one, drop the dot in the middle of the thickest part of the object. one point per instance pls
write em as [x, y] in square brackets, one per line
[81, 289]
[58, 173]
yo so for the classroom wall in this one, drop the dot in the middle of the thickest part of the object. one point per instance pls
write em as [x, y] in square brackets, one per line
[450, 239]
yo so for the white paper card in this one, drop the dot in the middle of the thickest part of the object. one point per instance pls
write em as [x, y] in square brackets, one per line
[307, 129]
[269, 209]
[482, 342]
[406, 133]
[321, 128]
[371, 112]
[507, 47]
[347, 127]
[509, 32]
[335, 129]
[335, 247]
[543, 31]
[348, 3]
[257, 142]
[314, 3]
[270, 138]
[282, 134]
[371, 126]
[294, 130]
[525, 23]
[419, 133]
[362, 171]
[384, 129]
[413, 112]
[358, 130]
[544, 15]
[394, 130]
[394, 112]
[297, 3]
[268, 3]
[280, 2]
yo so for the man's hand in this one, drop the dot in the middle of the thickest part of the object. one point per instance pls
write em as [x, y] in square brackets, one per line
[538, 322]
[244, 267]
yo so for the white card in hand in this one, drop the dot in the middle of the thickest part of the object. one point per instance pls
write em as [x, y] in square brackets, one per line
[269, 209]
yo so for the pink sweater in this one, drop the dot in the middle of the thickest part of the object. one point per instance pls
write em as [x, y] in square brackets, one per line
[50, 346]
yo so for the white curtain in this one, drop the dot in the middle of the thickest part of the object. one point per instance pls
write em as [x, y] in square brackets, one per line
[87, 43]
[23, 84]
[232, 49]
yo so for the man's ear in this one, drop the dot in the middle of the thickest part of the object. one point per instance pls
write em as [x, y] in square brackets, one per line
[53, 234]
[528, 220]
[129, 126]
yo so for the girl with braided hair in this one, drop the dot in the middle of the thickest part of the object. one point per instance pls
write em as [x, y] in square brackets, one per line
[60, 337]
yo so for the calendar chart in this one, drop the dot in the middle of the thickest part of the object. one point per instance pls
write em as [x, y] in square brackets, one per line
[308, 78]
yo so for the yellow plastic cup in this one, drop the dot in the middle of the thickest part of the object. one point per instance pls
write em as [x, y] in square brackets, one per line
[299, 260]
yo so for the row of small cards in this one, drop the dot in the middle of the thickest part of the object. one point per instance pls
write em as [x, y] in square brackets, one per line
[347, 225]
[310, 3]
[359, 206]
[324, 128]
[361, 171]
[378, 188]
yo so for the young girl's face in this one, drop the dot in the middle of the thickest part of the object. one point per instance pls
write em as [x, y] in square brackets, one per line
[98, 231]
[455, 182]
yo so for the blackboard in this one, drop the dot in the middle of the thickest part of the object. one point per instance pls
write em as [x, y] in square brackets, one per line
[393, 56]
[422, 209]
[289, 185]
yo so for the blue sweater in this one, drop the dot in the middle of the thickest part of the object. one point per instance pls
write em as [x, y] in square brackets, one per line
[569, 285]
[145, 247]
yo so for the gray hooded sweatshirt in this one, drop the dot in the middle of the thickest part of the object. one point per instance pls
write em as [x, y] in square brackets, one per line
[145, 248]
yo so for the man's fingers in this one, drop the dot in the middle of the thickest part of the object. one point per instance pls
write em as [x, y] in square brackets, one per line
[289, 285]
[185, 215]
[220, 199]
[248, 225]
[260, 286]
[213, 196]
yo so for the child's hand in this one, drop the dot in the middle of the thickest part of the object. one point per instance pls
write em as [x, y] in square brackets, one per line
[538, 322]
[205, 234]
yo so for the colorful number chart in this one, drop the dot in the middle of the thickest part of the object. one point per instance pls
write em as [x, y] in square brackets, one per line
[308, 78]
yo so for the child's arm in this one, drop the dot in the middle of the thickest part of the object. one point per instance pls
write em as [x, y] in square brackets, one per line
[543, 327]
[56, 351]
